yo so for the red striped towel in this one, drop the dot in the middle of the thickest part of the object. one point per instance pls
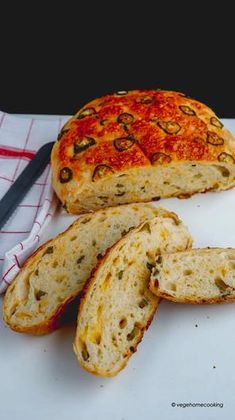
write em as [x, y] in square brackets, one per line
[20, 138]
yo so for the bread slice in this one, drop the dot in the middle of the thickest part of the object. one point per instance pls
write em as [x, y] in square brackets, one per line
[195, 276]
[55, 274]
[138, 146]
[117, 306]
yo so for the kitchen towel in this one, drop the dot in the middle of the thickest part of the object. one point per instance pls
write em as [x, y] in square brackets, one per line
[20, 139]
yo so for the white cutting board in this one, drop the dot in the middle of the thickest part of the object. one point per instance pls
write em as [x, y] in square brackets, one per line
[186, 356]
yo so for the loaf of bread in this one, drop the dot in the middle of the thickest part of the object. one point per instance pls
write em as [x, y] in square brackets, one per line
[195, 276]
[117, 306]
[55, 274]
[140, 146]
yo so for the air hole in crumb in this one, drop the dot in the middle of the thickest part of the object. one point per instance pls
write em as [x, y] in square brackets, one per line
[73, 238]
[13, 311]
[49, 250]
[98, 339]
[187, 272]
[123, 323]
[55, 264]
[232, 265]
[114, 340]
[60, 278]
[39, 294]
[221, 284]
[173, 287]
[142, 303]
[80, 259]
[86, 220]
[224, 171]
[132, 334]
[149, 266]
[120, 274]
[85, 354]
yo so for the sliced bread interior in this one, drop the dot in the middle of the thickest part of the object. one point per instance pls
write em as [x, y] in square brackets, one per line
[117, 306]
[195, 276]
[55, 274]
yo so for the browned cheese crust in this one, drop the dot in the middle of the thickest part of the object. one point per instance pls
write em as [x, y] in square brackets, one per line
[120, 134]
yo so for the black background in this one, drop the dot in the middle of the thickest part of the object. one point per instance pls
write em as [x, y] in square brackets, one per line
[53, 62]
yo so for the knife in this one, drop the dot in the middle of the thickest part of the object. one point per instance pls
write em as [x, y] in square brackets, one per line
[24, 182]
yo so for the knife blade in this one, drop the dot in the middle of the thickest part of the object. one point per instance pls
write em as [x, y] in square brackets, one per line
[24, 182]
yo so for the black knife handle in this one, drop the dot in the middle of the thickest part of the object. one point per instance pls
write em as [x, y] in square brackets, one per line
[24, 182]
